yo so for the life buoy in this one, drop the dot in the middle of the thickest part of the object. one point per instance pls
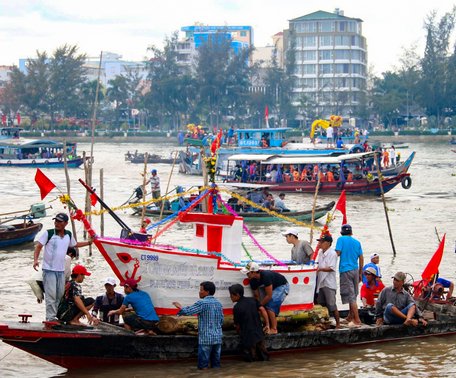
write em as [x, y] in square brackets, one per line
[406, 182]
[8, 162]
[33, 161]
[46, 162]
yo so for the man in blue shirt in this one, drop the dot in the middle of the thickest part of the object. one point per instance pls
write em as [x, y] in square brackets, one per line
[144, 317]
[351, 270]
[210, 321]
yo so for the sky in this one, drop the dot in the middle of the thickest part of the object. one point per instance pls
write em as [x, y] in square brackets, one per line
[129, 27]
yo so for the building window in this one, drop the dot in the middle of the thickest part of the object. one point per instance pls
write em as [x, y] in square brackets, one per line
[308, 83]
[341, 54]
[325, 54]
[325, 68]
[309, 55]
[326, 26]
[326, 40]
[309, 27]
[342, 26]
[309, 69]
[309, 41]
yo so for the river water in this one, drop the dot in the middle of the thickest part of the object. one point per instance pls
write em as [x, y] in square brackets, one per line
[415, 217]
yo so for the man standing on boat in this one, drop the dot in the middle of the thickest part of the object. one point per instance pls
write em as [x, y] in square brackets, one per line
[351, 270]
[210, 321]
[302, 251]
[154, 184]
[396, 306]
[56, 242]
[275, 287]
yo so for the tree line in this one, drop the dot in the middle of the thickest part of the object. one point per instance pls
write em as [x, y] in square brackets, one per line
[216, 88]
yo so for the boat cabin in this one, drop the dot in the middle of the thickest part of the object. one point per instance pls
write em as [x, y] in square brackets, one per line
[10, 132]
[36, 149]
[261, 137]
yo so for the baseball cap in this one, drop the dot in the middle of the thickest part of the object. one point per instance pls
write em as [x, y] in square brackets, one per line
[79, 269]
[250, 267]
[327, 238]
[130, 282]
[400, 276]
[374, 255]
[346, 229]
[291, 231]
[110, 281]
[371, 270]
[62, 217]
[153, 171]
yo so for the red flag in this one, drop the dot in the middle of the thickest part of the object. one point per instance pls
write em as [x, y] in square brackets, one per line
[341, 206]
[433, 264]
[43, 183]
[18, 118]
[93, 199]
[266, 112]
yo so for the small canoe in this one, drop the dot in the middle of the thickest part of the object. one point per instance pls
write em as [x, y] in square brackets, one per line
[18, 233]
[260, 216]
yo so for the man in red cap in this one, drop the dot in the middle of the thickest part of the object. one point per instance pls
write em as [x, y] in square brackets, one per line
[144, 317]
[73, 304]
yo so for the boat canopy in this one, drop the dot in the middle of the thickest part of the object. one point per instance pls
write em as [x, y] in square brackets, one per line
[255, 157]
[317, 159]
[245, 185]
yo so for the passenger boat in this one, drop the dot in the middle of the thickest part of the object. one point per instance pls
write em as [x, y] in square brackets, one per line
[360, 165]
[37, 154]
[18, 233]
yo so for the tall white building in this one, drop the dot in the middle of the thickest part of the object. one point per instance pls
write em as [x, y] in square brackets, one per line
[331, 62]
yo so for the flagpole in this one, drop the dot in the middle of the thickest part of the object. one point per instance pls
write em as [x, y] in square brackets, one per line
[312, 224]
[379, 174]
[67, 177]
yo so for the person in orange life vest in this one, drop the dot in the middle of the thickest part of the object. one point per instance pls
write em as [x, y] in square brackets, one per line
[372, 288]
[349, 176]
[304, 175]
[329, 176]
[315, 172]
[385, 158]
[296, 175]
[322, 176]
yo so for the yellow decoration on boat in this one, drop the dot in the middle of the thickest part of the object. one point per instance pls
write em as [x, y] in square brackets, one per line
[334, 121]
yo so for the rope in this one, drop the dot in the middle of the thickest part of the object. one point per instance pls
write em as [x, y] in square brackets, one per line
[247, 252]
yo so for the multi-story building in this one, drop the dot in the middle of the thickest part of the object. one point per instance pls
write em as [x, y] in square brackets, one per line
[330, 62]
[196, 35]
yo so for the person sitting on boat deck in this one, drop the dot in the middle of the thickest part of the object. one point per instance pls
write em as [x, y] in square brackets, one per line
[154, 184]
[275, 288]
[374, 260]
[302, 251]
[351, 270]
[255, 196]
[144, 317]
[246, 317]
[326, 276]
[396, 306]
[210, 321]
[73, 305]
[280, 205]
[110, 300]
[437, 289]
[55, 242]
[371, 288]
[269, 202]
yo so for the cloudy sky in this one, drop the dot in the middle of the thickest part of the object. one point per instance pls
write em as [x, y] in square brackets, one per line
[129, 27]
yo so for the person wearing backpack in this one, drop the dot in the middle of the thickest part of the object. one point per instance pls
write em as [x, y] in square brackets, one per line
[56, 243]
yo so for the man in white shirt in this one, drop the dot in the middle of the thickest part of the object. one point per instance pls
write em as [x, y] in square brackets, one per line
[329, 136]
[55, 249]
[326, 276]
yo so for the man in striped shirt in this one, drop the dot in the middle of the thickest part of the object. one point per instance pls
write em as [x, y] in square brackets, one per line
[210, 320]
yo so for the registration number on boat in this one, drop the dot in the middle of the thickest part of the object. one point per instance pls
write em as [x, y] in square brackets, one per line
[149, 257]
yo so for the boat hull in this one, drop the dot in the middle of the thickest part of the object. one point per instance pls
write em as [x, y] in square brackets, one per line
[41, 163]
[105, 346]
[171, 274]
[260, 216]
[19, 234]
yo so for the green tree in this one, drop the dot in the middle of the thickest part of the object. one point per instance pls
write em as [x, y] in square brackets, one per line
[117, 94]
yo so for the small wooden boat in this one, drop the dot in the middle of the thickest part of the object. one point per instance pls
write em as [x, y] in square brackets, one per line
[151, 159]
[18, 233]
[260, 216]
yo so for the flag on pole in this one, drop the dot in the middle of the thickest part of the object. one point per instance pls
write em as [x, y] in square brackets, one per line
[342, 206]
[433, 264]
[93, 199]
[266, 116]
[43, 183]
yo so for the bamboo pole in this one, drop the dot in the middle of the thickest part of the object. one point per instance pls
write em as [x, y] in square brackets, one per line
[143, 211]
[102, 197]
[67, 177]
[379, 174]
[312, 223]
[88, 204]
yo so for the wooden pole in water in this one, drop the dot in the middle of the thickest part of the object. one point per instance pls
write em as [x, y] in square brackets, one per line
[67, 176]
[102, 197]
[379, 174]
[143, 211]
[312, 223]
